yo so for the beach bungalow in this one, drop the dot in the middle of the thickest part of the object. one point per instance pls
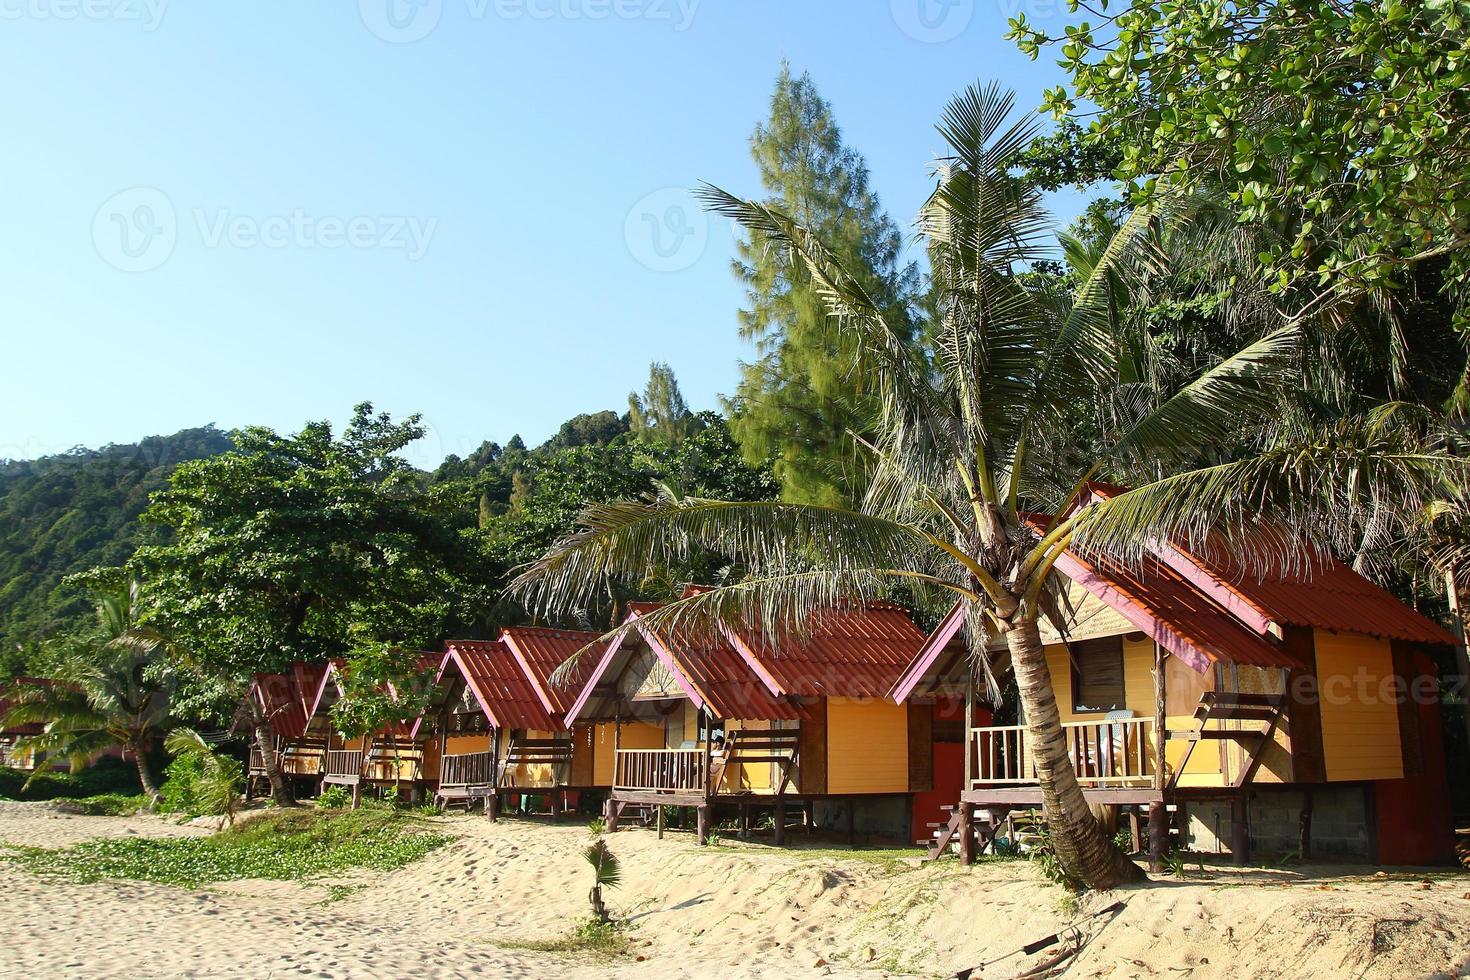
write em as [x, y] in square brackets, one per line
[1294, 710]
[496, 726]
[392, 757]
[286, 701]
[747, 722]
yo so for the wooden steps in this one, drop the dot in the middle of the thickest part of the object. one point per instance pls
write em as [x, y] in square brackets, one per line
[1221, 706]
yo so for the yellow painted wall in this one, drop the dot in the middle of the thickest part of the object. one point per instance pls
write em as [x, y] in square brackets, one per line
[1360, 722]
[1138, 680]
[754, 776]
[867, 746]
[635, 735]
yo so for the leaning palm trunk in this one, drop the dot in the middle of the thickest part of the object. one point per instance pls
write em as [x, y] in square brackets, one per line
[145, 772]
[265, 738]
[1081, 846]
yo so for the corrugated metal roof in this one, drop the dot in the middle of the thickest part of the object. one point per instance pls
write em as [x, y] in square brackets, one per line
[30, 728]
[1158, 601]
[1320, 592]
[857, 650]
[287, 698]
[1323, 594]
[541, 651]
[501, 687]
[720, 677]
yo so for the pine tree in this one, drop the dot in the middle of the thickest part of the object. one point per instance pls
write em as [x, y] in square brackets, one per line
[800, 400]
[660, 414]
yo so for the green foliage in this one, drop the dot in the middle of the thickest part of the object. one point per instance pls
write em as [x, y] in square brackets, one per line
[596, 826]
[802, 397]
[201, 782]
[1340, 124]
[107, 777]
[283, 846]
[383, 687]
[104, 805]
[67, 513]
[591, 937]
[334, 798]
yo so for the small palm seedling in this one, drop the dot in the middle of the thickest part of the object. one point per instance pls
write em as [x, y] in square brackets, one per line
[606, 873]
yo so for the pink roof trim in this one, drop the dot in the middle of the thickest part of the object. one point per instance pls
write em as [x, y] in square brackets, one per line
[659, 651]
[928, 654]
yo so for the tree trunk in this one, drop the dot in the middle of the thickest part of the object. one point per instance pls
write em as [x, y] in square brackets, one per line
[265, 738]
[145, 774]
[1085, 852]
[1462, 649]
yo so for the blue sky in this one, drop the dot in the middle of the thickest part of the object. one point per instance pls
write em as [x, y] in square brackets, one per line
[475, 209]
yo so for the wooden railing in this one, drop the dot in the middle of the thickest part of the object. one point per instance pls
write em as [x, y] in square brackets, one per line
[661, 770]
[342, 762]
[470, 769]
[1118, 752]
[538, 762]
[14, 758]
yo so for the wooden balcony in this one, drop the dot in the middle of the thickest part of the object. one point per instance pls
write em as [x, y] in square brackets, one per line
[343, 766]
[475, 769]
[1117, 753]
[673, 771]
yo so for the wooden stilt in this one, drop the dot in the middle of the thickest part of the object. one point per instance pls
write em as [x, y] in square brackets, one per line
[356, 795]
[745, 820]
[1135, 831]
[1158, 835]
[809, 815]
[492, 806]
[659, 818]
[967, 834]
[851, 822]
[614, 811]
[701, 822]
[778, 834]
[1305, 829]
[1240, 837]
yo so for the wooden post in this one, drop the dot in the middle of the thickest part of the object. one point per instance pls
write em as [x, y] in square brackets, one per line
[809, 815]
[1158, 812]
[492, 805]
[967, 834]
[1305, 829]
[778, 828]
[1135, 831]
[614, 810]
[851, 822]
[707, 725]
[1240, 837]
[357, 793]
[745, 820]
[701, 823]
[659, 816]
[967, 728]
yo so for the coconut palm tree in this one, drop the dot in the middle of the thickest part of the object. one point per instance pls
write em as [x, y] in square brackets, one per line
[107, 691]
[989, 443]
[606, 873]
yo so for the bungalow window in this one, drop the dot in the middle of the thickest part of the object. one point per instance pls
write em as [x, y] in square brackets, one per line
[1097, 674]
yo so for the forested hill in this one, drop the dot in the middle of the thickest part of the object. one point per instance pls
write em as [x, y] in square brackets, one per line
[65, 513]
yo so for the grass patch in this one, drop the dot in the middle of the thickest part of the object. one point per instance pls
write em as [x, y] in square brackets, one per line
[602, 940]
[102, 805]
[284, 846]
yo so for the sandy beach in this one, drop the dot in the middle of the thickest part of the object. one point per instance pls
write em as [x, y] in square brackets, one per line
[739, 910]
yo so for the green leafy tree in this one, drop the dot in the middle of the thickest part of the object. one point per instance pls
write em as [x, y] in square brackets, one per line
[802, 399]
[966, 456]
[384, 688]
[1337, 124]
[295, 548]
[108, 689]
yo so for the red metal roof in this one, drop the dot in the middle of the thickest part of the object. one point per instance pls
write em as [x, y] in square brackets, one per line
[30, 728]
[541, 651]
[716, 675]
[1188, 624]
[1320, 591]
[1323, 594]
[501, 687]
[287, 699]
[857, 650]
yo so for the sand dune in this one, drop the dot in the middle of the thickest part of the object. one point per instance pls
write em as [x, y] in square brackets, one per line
[739, 910]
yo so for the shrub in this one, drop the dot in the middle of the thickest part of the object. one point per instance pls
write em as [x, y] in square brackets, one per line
[334, 798]
[103, 805]
[105, 776]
